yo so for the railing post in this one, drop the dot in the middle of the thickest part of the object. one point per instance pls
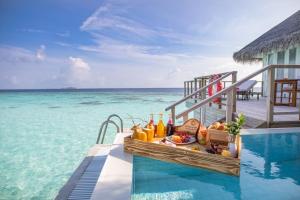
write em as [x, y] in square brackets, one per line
[191, 87]
[195, 89]
[234, 79]
[173, 114]
[229, 106]
[270, 96]
[262, 88]
[184, 89]
[185, 117]
[203, 109]
[200, 86]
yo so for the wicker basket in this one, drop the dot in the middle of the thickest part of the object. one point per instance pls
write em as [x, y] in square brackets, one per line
[218, 136]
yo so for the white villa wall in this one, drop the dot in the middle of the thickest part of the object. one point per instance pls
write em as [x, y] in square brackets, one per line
[266, 62]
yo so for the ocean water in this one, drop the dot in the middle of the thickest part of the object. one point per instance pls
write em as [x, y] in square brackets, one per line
[270, 170]
[45, 134]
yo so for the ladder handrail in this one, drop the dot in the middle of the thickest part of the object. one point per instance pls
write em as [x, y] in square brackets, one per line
[101, 135]
[231, 87]
[199, 90]
[117, 116]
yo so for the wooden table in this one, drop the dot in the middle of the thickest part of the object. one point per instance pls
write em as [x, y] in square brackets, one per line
[291, 89]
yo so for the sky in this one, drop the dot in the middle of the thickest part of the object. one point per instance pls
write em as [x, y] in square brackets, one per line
[128, 43]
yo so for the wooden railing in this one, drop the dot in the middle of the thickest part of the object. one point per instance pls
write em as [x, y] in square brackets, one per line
[199, 82]
[189, 86]
[230, 92]
[201, 93]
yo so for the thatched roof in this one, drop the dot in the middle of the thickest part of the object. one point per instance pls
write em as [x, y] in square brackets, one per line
[282, 36]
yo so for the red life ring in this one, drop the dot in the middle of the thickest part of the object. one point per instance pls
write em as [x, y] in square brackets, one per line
[215, 88]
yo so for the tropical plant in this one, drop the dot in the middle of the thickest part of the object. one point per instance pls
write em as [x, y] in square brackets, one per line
[235, 126]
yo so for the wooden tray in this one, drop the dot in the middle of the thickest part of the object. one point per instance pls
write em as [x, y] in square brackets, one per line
[184, 155]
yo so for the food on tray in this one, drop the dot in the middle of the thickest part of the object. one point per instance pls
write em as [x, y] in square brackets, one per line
[138, 133]
[216, 148]
[150, 134]
[226, 153]
[176, 139]
[202, 133]
[191, 126]
[181, 137]
[218, 126]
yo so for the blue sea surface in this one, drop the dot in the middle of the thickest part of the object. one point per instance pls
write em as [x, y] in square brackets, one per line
[44, 134]
[270, 170]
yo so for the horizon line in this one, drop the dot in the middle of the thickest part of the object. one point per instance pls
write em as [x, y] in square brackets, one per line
[73, 88]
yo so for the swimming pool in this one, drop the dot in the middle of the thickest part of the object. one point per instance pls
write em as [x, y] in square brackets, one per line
[270, 169]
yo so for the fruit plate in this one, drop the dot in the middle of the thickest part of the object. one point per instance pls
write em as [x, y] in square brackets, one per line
[191, 140]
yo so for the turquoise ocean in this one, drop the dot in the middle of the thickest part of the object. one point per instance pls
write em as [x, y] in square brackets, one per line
[45, 134]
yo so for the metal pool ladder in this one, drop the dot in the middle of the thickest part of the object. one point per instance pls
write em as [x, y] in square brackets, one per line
[102, 132]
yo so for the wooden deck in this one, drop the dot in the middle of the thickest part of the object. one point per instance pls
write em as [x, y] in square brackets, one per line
[257, 109]
[255, 112]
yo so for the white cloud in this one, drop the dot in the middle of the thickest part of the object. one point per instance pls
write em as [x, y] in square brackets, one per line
[63, 44]
[79, 71]
[79, 63]
[18, 55]
[40, 53]
[15, 55]
[108, 17]
[30, 30]
[64, 34]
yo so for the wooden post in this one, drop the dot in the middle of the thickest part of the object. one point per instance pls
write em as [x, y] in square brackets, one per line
[200, 97]
[299, 111]
[203, 109]
[191, 87]
[185, 117]
[270, 96]
[229, 106]
[200, 86]
[234, 79]
[262, 88]
[184, 89]
[195, 88]
[173, 114]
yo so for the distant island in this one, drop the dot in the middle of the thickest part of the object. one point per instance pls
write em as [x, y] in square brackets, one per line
[68, 88]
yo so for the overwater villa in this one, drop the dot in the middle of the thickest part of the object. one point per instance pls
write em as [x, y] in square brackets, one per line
[268, 156]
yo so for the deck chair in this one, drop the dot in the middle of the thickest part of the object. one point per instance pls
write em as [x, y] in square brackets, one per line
[246, 89]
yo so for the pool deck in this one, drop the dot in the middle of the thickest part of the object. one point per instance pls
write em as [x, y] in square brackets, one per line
[115, 180]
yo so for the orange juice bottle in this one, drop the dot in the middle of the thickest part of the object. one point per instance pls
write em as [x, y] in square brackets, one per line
[160, 132]
[151, 129]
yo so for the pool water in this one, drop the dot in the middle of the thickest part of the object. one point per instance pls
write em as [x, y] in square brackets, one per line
[270, 170]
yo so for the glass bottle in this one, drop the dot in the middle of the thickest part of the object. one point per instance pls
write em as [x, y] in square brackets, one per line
[151, 129]
[170, 126]
[160, 132]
